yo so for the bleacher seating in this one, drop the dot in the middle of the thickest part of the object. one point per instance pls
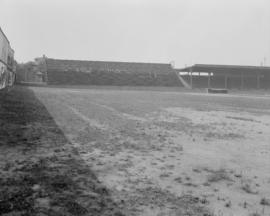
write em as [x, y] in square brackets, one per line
[73, 72]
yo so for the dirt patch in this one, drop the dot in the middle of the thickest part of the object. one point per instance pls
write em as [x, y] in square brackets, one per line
[218, 175]
[242, 119]
[162, 146]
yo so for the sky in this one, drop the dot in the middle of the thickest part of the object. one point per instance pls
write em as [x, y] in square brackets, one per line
[185, 32]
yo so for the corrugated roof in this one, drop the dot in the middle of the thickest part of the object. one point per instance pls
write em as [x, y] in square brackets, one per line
[224, 68]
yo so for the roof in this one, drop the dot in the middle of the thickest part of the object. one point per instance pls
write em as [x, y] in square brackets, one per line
[224, 68]
[4, 34]
[108, 65]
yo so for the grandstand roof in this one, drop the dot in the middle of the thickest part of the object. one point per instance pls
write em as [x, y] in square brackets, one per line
[225, 68]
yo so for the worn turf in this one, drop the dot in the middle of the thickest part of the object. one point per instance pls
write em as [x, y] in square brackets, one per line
[41, 173]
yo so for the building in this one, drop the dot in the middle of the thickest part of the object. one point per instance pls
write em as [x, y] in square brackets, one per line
[7, 63]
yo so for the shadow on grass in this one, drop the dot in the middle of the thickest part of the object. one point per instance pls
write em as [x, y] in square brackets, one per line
[41, 172]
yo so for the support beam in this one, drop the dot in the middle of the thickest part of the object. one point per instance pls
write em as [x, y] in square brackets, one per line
[226, 81]
[258, 81]
[191, 78]
[209, 80]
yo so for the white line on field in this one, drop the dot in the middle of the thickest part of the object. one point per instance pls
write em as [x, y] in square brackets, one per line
[121, 114]
[92, 122]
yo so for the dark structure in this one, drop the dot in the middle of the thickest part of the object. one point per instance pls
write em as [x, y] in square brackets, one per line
[76, 72]
[225, 76]
[29, 73]
[7, 62]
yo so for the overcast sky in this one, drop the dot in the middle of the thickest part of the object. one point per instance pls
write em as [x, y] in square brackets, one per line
[183, 31]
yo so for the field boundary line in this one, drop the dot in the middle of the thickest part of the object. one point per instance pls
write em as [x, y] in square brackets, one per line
[92, 122]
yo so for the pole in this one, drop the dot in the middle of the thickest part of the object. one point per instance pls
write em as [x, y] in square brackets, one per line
[258, 81]
[191, 78]
[209, 80]
[242, 81]
[226, 81]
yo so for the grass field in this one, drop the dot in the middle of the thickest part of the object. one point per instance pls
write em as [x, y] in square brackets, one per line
[160, 151]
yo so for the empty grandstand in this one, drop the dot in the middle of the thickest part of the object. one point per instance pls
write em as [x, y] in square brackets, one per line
[226, 76]
[77, 72]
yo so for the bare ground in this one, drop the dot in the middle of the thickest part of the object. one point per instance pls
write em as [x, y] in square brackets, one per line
[162, 152]
[41, 171]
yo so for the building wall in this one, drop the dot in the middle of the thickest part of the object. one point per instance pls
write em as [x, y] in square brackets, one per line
[4, 45]
[7, 68]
